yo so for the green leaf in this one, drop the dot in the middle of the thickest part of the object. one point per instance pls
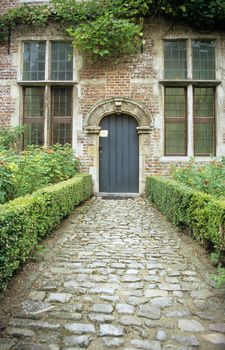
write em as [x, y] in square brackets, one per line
[183, 8]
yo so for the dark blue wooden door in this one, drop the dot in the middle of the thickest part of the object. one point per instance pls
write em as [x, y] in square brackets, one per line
[119, 155]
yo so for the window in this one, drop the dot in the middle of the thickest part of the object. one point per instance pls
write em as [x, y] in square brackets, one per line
[61, 61]
[47, 123]
[203, 59]
[175, 121]
[61, 115]
[33, 115]
[175, 59]
[193, 97]
[34, 61]
[204, 121]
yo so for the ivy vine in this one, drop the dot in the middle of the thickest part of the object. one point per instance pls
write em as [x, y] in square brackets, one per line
[102, 28]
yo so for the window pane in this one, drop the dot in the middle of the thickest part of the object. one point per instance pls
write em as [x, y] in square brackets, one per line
[175, 121]
[62, 102]
[203, 59]
[34, 60]
[33, 115]
[62, 115]
[204, 102]
[61, 61]
[62, 133]
[175, 59]
[33, 102]
[204, 121]
[204, 139]
[33, 134]
[175, 103]
[176, 139]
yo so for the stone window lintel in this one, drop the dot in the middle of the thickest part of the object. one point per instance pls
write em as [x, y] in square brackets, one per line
[187, 82]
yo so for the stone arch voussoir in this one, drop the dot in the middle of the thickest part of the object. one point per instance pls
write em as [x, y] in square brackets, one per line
[119, 106]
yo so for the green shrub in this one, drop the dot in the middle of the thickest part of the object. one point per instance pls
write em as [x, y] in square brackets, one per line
[203, 214]
[9, 136]
[208, 178]
[23, 173]
[219, 278]
[121, 37]
[6, 182]
[26, 220]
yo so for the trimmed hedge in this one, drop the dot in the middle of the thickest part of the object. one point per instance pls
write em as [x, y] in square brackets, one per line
[203, 214]
[26, 220]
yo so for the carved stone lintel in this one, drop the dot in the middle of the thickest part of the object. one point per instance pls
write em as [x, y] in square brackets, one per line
[144, 129]
[119, 105]
[92, 129]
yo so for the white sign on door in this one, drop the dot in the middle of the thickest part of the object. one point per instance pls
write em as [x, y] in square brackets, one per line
[104, 133]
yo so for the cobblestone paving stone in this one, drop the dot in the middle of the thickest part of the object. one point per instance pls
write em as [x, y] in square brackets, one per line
[120, 277]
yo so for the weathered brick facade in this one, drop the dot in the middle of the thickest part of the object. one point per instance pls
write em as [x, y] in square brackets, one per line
[137, 78]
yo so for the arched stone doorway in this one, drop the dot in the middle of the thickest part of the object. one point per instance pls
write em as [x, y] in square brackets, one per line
[118, 154]
[119, 106]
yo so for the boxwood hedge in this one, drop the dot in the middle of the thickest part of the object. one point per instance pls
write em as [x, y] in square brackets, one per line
[203, 214]
[26, 220]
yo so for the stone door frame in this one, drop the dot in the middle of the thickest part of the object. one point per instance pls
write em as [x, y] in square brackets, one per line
[119, 105]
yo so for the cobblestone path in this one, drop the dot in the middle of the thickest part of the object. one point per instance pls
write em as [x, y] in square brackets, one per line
[119, 277]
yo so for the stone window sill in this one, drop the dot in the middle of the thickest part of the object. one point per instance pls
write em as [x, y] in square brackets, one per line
[46, 82]
[184, 159]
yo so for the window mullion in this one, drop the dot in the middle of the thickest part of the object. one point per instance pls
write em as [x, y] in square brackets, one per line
[47, 60]
[190, 122]
[21, 59]
[47, 119]
[189, 59]
[190, 118]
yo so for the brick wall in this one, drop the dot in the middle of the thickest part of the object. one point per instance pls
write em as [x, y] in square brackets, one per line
[134, 77]
[125, 78]
[128, 77]
[6, 4]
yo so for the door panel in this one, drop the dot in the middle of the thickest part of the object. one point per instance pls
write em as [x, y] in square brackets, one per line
[119, 155]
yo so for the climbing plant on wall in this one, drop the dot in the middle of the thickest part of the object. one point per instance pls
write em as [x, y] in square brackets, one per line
[101, 28]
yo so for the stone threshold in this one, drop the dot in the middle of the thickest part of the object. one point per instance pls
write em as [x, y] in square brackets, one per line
[120, 195]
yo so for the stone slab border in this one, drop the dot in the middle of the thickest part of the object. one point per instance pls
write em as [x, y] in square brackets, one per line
[119, 106]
